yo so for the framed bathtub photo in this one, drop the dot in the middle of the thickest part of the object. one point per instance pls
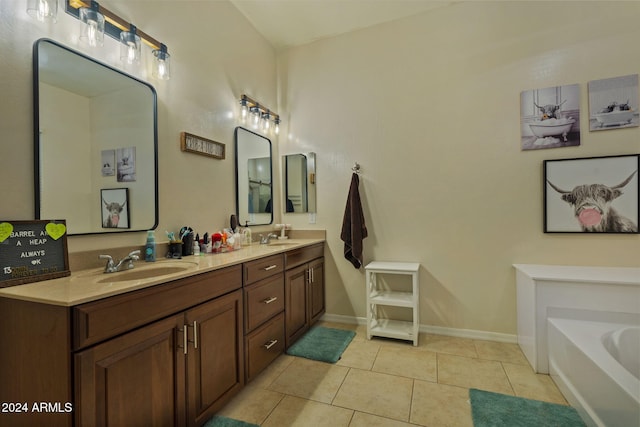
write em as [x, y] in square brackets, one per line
[592, 195]
[613, 103]
[550, 117]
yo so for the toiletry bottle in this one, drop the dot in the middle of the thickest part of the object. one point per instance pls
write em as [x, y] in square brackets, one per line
[150, 248]
[196, 247]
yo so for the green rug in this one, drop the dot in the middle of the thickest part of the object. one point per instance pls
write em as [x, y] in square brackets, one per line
[220, 421]
[500, 410]
[323, 344]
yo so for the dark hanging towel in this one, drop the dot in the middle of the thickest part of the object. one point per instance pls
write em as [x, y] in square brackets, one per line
[354, 229]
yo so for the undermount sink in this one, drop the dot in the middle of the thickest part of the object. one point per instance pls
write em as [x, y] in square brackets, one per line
[141, 272]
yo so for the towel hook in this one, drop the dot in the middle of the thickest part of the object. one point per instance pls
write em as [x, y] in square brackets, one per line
[356, 167]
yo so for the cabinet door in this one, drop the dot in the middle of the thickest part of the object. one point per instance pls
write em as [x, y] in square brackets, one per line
[134, 380]
[316, 290]
[296, 320]
[215, 357]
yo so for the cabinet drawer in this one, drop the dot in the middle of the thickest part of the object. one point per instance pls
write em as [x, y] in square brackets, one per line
[263, 300]
[299, 256]
[99, 320]
[264, 345]
[263, 268]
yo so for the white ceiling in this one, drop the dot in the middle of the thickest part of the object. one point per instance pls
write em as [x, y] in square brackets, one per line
[287, 23]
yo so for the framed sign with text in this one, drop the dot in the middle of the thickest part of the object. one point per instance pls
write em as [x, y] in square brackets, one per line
[199, 145]
[31, 251]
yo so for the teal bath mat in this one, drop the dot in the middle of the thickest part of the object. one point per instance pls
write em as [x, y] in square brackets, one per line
[500, 410]
[220, 421]
[323, 344]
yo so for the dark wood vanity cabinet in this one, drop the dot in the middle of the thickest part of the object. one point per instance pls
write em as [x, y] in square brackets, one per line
[179, 360]
[264, 305]
[304, 290]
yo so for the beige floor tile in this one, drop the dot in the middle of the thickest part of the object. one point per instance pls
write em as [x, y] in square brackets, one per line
[450, 345]
[500, 351]
[407, 362]
[252, 405]
[530, 385]
[467, 372]
[439, 405]
[310, 380]
[360, 419]
[360, 354]
[272, 371]
[375, 393]
[297, 412]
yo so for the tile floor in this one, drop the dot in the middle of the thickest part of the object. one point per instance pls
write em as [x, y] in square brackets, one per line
[388, 383]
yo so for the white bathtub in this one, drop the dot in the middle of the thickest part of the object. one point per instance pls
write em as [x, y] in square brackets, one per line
[596, 367]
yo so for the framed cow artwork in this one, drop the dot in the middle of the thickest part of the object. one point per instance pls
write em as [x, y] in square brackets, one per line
[592, 195]
[115, 207]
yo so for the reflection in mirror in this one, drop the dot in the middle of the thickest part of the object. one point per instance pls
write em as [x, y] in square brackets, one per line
[254, 189]
[299, 182]
[95, 131]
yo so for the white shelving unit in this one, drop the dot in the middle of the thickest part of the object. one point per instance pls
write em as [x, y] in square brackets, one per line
[376, 296]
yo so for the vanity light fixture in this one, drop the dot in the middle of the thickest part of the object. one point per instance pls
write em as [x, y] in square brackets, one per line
[43, 10]
[259, 116]
[125, 32]
[92, 30]
[130, 46]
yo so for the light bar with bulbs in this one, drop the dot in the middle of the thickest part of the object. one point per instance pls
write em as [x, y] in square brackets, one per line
[258, 116]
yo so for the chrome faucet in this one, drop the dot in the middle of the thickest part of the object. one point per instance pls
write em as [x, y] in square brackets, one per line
[265, 240]
[112, 268]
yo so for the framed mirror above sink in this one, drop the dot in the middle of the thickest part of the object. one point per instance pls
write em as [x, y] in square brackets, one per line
[299, 183]
[95, 143]
[254, 178]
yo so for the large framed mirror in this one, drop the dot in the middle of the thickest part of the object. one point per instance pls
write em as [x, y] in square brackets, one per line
[96, 143]
[254, 178]
[299, 182]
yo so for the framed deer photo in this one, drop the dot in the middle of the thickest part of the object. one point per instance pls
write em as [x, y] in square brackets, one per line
[592, 195]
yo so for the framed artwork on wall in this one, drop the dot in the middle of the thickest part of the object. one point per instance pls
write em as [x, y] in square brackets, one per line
[613, 103]
[115, 207]
[592, 195]
[550, 117]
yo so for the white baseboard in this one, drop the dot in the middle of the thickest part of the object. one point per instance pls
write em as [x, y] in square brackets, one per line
[437, 330]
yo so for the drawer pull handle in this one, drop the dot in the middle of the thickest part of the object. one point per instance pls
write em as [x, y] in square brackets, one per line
[270, 344]
[271, 267]
[184, 339]
[269, 300]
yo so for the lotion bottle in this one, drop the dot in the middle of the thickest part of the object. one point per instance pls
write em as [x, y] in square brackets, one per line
[150, 248]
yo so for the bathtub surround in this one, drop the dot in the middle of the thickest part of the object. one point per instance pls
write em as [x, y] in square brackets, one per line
[589, 293]
[600, 387]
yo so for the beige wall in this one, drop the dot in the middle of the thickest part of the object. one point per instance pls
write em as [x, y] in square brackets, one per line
[429, 106]
[216, 56]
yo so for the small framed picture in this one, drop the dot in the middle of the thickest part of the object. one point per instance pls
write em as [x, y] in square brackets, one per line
[115, 207]
[108, 162]
[126, 164]
[613, 103]
[592, 195]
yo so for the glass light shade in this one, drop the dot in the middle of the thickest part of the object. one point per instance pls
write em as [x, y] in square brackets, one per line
[92, 30]
[130, 50]
[244, 110]
[276, 126]
[266, 122]
[43, 10]
[255, 116]
[161, 63]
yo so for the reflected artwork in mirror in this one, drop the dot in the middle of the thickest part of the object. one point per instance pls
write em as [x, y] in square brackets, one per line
[299, 182]
[254, 178]
[95, 129]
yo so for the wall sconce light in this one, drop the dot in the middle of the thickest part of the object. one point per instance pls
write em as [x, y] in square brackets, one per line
[130, 46]
[258, 115]
[125, 32]
[92, 29]
[43, 10]
[162, 63]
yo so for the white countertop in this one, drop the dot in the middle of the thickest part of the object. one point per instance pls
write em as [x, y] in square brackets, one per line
[587, 274]
[81, 286]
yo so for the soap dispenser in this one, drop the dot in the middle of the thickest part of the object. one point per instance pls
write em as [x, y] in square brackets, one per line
[150, 248]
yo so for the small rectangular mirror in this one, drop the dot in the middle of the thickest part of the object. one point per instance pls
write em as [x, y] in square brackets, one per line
[299, 182]
[254, 189]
